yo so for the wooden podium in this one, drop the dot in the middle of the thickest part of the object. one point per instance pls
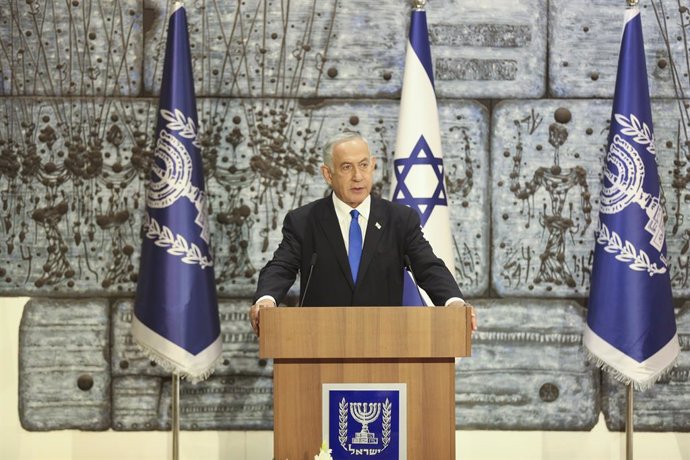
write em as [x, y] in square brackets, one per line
[411, 345]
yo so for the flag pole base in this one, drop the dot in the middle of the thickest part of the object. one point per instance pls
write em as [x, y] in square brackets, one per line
[175, 416]
[629, 421]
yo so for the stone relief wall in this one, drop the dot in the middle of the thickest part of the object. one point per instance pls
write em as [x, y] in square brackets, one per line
[524, 129]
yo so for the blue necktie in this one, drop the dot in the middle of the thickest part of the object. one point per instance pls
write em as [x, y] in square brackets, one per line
[355, 244]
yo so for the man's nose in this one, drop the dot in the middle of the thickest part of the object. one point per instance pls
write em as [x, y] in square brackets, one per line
[358, 174]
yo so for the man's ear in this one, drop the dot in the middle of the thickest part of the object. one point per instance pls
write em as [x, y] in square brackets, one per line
[326, 173]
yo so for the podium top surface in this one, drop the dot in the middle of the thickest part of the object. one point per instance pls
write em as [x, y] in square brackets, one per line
[364, 332]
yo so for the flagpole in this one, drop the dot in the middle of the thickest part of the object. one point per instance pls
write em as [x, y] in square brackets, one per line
[629, 422]
[175, 416]
[630, 390]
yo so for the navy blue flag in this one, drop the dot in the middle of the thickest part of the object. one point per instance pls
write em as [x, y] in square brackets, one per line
[631, 328]
[418, 174]
[176, 310]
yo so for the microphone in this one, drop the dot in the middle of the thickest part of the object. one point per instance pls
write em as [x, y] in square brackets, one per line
[408, 267]
[306, 286]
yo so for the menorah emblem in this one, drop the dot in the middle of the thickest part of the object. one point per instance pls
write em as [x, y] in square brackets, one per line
[625, 175]
[365, 415]
[173, 179]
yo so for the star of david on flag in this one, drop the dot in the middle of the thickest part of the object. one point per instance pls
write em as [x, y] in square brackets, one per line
[631, 328]
[418, 179]
[176, 318]
[420, 156]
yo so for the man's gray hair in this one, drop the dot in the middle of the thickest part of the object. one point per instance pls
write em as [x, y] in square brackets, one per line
[338, 139]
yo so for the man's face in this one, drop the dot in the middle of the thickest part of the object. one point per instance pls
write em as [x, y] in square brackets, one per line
[352, 174]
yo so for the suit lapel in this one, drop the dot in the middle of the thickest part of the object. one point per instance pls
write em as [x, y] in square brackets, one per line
[374, 231]
[331, 228]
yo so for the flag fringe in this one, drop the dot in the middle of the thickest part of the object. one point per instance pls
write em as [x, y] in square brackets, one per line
[618, 375]
[172, 367]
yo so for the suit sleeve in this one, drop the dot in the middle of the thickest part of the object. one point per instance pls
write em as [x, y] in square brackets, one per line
[432, 274]
[281, 271]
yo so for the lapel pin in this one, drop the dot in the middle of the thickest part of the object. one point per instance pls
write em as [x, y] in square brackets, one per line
[377, 225]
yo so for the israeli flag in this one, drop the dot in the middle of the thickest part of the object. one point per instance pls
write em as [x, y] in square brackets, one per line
[631, 328]
[176, 310]
[418, 179]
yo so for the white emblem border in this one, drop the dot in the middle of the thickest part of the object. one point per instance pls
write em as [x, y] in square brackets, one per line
[401, 388]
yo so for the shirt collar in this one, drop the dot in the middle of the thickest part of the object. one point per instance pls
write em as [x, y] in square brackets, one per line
[344, 209]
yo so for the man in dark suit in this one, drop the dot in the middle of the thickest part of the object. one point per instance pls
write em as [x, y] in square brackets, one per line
[354, 245]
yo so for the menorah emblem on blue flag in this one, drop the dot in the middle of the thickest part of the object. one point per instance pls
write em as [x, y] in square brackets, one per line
[631, 328]
[418, 172]
[365, 421]
[176, 310]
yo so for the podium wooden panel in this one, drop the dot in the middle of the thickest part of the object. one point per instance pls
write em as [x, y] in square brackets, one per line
[411, 345]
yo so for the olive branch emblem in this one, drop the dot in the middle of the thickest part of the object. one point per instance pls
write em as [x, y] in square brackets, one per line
[175, 245]
[184, 126]
[343, 410]
[641, 132]
[627, 252]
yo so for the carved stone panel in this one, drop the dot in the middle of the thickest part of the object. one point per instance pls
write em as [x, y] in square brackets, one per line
[71, 48]
[64, 373]
[356, 48]
[528, 369]
[72, 178]
[75, 171]
[584, 43]
[663, 407]
[220, 403]
[546, 167]
[491, 49]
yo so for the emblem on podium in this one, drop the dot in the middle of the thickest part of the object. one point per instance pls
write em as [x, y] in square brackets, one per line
[365, 420]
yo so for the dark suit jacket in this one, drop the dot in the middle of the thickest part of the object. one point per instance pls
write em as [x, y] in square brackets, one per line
[313, 229]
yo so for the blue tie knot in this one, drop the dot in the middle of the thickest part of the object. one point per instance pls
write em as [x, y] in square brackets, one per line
[355, 214]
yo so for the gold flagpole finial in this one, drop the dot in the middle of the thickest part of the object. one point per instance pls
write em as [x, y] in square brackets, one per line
[418, 4]
[633, 3]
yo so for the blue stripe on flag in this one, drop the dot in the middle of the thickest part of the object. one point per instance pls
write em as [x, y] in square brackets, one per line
[411, 295]
[419, 39]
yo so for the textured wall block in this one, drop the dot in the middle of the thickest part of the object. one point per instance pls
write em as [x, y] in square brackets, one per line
[75, 48]
[528, 369]
[240, 354]
[584, 43]
[491, 49]
[72, 172]
[138, 404]
[219, 403]
[547, 158]
[356, 48]
[64, 373]
[665, 406]
[71, 217]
